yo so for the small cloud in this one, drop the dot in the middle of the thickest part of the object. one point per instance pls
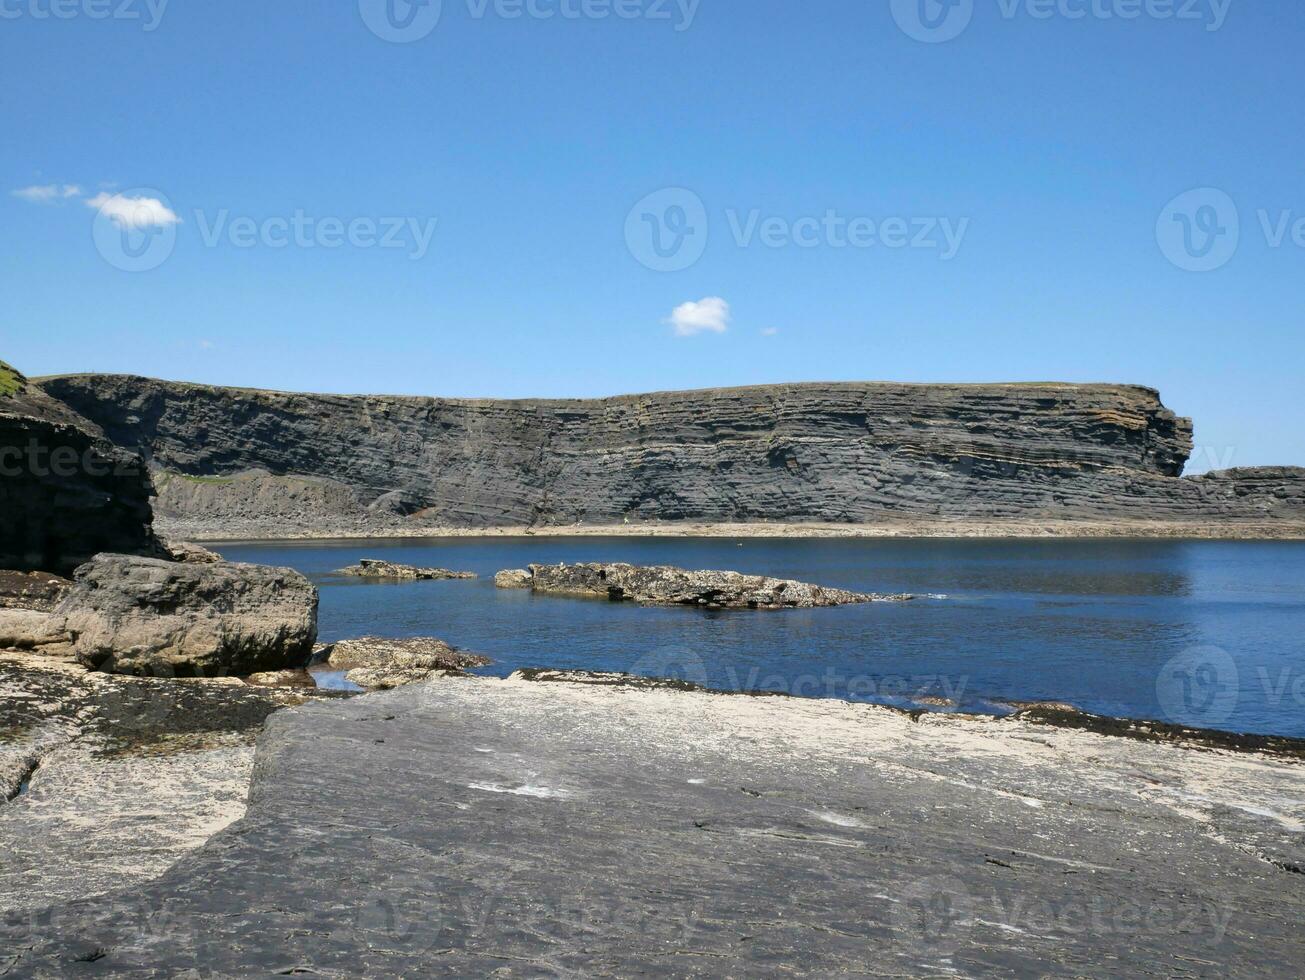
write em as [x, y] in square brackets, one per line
[134, 212]
[206, 345]
[769, 331]
[48, 193]
[710, 314]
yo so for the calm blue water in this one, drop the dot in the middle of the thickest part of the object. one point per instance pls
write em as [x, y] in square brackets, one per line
[1206, 633]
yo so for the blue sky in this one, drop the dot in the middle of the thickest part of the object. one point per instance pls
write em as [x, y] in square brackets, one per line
[848, 202]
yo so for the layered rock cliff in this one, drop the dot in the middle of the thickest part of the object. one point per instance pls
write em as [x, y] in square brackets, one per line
[65, 492]
[843, 453]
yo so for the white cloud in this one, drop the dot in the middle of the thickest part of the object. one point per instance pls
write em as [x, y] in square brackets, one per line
[710, 314]
[134, 212]
[48, 193]
[769, 331]
[206, 345]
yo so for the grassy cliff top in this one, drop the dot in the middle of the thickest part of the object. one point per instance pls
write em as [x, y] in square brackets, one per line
[11, 382]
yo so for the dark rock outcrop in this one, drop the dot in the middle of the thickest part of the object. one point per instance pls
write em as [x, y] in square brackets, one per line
[375, 568]
[377, 663]
[66, 493]
[837, 453]
[156, 618]
[664, 585]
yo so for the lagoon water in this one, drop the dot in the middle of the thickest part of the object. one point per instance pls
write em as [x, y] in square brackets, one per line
[1207, 633]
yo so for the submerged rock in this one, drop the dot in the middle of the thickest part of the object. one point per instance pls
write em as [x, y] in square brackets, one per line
[666, 585]
[158, 618]
[377, 663]
[378, 569]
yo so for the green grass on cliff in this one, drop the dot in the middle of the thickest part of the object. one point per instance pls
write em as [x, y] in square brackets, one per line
[10, 381]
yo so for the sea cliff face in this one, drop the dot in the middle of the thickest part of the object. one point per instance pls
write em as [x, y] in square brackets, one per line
[840, 453]
[65, 492]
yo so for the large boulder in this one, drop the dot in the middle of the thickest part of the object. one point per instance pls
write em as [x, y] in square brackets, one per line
[144, 616]
[666, 585]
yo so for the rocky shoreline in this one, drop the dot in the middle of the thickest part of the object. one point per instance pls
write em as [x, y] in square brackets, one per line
[241, 530]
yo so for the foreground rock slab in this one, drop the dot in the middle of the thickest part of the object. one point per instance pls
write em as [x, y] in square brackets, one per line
[375, 568]
[665, 585]
[106, 781]
[148, 617]
[474, 826]
[377, 663]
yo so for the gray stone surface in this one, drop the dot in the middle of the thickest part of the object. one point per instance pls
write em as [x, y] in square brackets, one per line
[474, 827]
[150, 617]
[665, 585]
[65, 492]
[272, 463]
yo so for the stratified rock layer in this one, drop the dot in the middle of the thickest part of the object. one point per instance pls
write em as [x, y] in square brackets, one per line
[156, 618]
[839, 453]
[65, 492]
[665, 585]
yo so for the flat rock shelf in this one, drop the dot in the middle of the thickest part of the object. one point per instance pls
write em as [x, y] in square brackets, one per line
[665, 585]
[528, 829]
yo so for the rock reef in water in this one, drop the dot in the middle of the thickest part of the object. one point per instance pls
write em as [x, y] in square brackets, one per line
[148, 617]
[66, 493]
[665, 585]
[377, 663]
[376, 568]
